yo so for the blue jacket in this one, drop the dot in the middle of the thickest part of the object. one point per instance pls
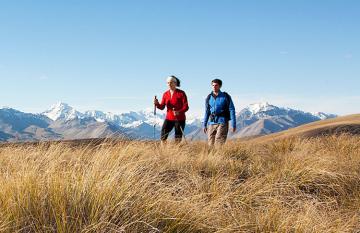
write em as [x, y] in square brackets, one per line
[218, 105]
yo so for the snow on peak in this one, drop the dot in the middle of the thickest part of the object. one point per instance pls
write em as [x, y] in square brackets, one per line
[265, 107]
[129, 119]
[101, 116]
[260, 107]
[151, 118]
[324, 116]
[149, 111]
[62, 111]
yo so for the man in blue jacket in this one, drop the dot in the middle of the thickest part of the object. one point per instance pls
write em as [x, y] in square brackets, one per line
[219, 109]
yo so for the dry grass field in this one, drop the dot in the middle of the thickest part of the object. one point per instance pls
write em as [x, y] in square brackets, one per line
[288, 185]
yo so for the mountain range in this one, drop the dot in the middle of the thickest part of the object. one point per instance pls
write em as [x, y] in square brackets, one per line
[62, 121]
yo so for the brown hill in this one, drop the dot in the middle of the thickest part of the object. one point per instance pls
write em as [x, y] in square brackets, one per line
[347, 124]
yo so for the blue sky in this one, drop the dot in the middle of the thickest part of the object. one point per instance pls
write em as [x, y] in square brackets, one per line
[115, 55]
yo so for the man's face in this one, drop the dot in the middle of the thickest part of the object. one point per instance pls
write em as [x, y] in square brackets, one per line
[215, 87]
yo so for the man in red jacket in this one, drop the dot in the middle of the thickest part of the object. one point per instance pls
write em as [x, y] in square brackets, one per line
[176, 103]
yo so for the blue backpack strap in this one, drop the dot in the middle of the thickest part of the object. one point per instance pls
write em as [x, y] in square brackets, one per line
[207, 102]
[227, 97]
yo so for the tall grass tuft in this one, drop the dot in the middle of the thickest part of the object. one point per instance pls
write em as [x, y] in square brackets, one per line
[293, 185]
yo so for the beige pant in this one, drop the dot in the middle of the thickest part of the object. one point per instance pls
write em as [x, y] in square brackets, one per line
[217, 134]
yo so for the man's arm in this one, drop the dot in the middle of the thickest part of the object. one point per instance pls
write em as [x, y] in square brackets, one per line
[206, 115]
[232, 114]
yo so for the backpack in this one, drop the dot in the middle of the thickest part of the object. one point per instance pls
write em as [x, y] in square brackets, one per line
[226, 112]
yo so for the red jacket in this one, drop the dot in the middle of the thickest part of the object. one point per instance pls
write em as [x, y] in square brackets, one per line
[178, 102]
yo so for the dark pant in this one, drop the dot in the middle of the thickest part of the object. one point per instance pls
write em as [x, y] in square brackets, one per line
[169, 125]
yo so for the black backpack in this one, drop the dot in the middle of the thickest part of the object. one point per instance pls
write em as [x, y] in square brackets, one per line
[225, 113]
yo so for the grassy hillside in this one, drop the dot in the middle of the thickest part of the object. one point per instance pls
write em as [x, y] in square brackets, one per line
[291, 185]
[336, 126]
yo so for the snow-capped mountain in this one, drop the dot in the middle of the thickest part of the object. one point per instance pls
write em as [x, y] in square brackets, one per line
[62, 111]
[260, 107]
[134, 124]
[128, 120]
[62, 121]
[266, 110]
[264, 118]
[324, 116]
[20, 126]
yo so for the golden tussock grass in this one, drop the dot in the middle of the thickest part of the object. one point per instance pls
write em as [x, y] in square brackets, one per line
[291, 185]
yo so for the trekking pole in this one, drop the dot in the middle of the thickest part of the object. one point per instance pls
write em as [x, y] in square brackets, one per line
[155, 120]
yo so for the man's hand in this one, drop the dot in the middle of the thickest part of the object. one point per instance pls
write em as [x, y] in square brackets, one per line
[234, 129]
[205, 130]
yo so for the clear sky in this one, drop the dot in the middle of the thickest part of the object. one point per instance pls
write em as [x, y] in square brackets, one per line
[115, 55]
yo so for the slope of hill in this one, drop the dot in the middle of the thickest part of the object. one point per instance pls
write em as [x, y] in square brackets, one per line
[346, 124]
